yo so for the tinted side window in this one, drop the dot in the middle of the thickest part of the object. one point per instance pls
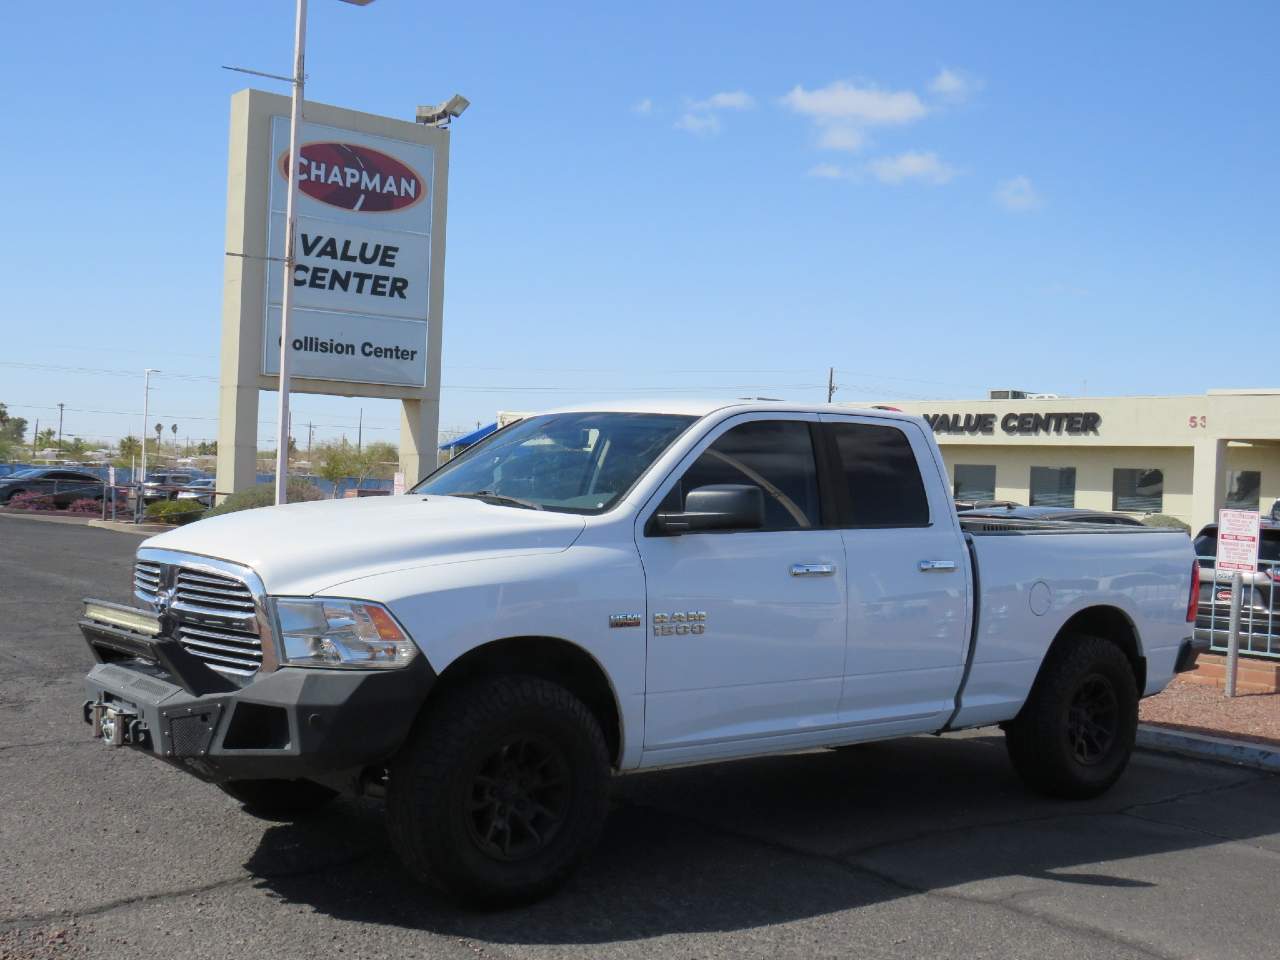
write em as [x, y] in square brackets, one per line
[881, 476]
[774, 455]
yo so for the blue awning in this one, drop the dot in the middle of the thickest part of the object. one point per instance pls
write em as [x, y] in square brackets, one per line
[461, 443]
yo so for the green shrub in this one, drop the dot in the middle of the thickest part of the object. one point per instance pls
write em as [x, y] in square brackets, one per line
[1164, 520]
[175, 511]
[264, 495]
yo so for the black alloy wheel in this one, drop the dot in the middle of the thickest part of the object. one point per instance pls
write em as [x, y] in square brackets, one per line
[1076, 731]
[519, 798]
[1092, 720]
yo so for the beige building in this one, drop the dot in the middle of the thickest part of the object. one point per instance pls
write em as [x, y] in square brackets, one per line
[1182, 456]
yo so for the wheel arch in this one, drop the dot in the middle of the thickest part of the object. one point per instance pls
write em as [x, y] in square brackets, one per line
[1107, 622]
[549, 658]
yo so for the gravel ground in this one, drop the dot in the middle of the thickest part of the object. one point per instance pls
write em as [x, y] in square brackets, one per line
[1201, 708]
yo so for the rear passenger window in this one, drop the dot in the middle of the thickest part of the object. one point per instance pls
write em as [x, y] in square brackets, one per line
[774, 455]
[881, 477]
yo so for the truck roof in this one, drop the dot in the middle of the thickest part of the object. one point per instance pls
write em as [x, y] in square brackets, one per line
[701, 408]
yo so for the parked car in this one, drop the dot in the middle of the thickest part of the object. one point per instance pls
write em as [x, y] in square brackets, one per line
[164, 486]
[201, 490]
[62, 486]
[606, 590]
[1065, 514]
[1259, 599]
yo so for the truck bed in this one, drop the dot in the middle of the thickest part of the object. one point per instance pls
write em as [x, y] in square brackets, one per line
[1028, 588]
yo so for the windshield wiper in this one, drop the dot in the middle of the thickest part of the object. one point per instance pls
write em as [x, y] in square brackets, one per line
[488, 496]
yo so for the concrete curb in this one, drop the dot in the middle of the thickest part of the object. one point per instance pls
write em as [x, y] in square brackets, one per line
[120, 526]
[137, 529]
[79, 521]
[1204, 747]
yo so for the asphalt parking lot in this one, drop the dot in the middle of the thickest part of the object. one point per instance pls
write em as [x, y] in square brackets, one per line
[923, 847]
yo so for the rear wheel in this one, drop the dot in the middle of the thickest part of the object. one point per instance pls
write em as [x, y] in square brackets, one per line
[1074, 735]
[279, 799]
[501, 790]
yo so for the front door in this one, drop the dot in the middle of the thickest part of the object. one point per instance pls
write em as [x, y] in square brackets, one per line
[746, 628]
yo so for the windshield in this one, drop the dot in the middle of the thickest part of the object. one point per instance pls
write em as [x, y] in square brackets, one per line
[569, 462]
[23, 474]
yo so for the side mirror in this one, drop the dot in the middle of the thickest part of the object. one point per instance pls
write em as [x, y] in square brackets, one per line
[717, 506]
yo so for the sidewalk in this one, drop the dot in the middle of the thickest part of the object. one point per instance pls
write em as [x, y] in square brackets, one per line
[1195, 719]
[120, 526]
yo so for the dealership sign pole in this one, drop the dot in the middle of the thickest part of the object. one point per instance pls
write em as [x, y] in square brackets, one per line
[290, 229]
[1238, 532]
[338, 222]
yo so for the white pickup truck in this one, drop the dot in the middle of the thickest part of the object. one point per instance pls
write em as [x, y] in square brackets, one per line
[617, 588]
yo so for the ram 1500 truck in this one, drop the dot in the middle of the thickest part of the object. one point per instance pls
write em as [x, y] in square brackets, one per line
[618, 588]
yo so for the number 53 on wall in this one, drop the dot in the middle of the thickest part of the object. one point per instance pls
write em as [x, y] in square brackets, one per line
[1195, 422]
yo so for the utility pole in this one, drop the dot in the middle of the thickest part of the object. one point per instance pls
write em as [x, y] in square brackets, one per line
[311, 430]
[146, 400]
[360, 432]
[34, 437]
[59, 429]
[831, 383]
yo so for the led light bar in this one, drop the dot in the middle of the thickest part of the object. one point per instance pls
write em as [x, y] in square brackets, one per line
[127, 618]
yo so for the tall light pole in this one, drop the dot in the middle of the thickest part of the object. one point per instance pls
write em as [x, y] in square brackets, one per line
[146, 401]
[290, 228]
[290, 224]
[59, 431]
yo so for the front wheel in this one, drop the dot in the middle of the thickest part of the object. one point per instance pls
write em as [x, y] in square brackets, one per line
[1074, 735]
[500, 791]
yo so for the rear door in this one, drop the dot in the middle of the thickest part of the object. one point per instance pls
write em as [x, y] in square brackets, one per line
[747, 627]
[907, 574]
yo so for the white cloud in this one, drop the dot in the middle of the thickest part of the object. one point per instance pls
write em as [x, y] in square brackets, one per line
[703, 124]
[733, 100]
[841, 137]
[954, 86]
[912, 165]
[827, 171]
[841, 101]
[643, 107]
[1018, 194]
[700, 116]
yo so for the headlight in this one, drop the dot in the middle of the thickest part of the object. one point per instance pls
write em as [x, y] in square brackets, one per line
[341, 633]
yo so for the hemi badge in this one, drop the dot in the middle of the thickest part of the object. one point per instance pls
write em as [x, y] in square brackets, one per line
[624, 620]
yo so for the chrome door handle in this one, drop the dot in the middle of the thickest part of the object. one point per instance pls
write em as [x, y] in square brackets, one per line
[937, 566]
[812, 569]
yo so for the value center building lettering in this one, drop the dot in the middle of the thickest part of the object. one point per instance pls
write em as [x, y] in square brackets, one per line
[1185, 456]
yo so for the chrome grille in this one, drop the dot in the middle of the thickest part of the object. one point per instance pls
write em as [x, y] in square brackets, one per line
[146, 580]
[236, 651]
[215, 614]
[201, 592]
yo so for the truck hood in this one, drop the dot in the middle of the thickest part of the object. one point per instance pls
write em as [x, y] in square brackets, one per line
[306, 548]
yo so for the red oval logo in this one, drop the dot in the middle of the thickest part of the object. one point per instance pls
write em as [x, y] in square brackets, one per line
[355, 177]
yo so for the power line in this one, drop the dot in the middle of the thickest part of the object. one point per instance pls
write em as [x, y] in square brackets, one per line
[106, 371]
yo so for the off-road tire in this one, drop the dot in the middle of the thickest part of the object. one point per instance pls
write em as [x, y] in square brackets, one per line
[279, 799]
[1047, 739]
[442, 787]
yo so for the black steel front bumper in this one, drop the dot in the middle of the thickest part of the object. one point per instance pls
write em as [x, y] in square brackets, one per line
[293, 723]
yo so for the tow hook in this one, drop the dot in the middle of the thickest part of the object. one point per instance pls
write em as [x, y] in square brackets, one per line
[114, 726]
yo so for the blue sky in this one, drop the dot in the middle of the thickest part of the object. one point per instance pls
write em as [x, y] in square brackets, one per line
[700, 198]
